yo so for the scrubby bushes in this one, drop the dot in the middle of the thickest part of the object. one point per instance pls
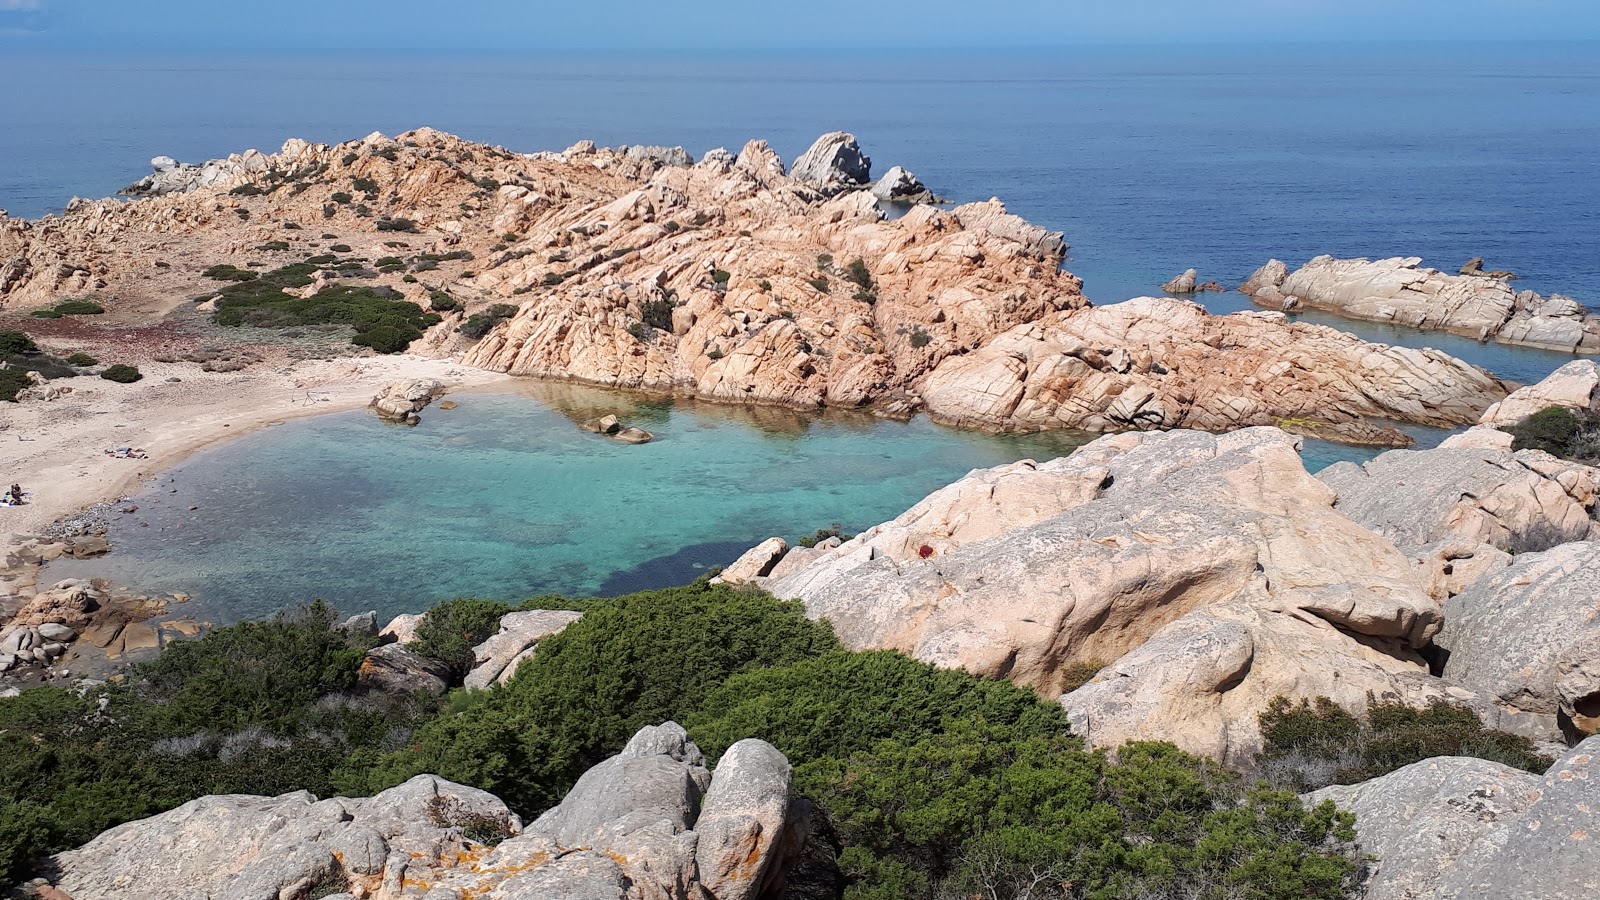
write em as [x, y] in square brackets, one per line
[1559, 431]
[480, 323]
[82, 360]
[1312, 745]
[260, 708]
[450, 630]
[19, 355]
[382, 319]
[224, 272]
[16, 342]
[121, 374]
[657, 313]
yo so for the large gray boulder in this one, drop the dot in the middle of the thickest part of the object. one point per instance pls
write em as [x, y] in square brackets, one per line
[1459, 511]
[1220, 550]
[1467, 829]
[394, 669]
[743, 819]
[834, 163]
[236, 847]
[900, 186]
[1529, 637]
[520, 634]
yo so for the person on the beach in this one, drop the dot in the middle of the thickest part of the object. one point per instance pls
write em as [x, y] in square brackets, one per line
[15, 495]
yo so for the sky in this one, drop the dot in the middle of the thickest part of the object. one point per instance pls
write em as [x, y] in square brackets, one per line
[754, 24]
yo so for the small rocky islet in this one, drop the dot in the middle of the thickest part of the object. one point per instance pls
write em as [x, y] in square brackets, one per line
[1182, 579]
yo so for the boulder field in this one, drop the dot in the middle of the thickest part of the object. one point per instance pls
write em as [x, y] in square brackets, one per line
[1474, 303]
[733, 279]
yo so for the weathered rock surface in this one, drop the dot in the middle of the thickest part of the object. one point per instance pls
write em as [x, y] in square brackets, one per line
[236, 847]
[394, 669]
[519, 635]
[651, 823]
[1575, 385]
[1529, 637]
[1459, 511]
[834, 162]
[1151, 363]
[1462, 829]
[899, 186]
[1221, 552]
[400, 401]
[756, 562]
[1183, 284]
[1403, 291]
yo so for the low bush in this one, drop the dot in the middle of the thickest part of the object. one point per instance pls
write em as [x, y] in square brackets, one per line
[449, 631]
[82, 360]
[439, 301]
[396, 224]
[16, 342]
[1559, 431]
[271, 246]
[121, 374]
[81, 306]
[1312, 745]
[721, 276]
[920, 338]
[819, 283]
[480, 323]
[657, 313]
[224, 272]
[822, 534]
[857, 272]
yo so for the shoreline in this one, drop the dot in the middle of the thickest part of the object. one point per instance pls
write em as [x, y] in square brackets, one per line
[65, 470]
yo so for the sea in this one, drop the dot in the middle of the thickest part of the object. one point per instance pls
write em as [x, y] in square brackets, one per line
[1150, 160]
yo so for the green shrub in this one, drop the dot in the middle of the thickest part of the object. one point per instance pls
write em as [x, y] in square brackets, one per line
[342, 198]
[819, 283]
[629, 662]
[449, 631]
[721, 276]
[397, 224]
[480, 323]
[224, 272]
[657, 313]
[271, 246]
[340, 248]
[1308, 746]
[381, 317]
[248, 190]
[440, 301]
[825, 261]
[16, 342]
[45, 314]
[79, 306]
[350, 158]
[365, 185]
[857, 272]
[121, 374]
[12, 383]
[82, 360]
[920, 338]
[986, 811]
[822, 534]
[766, 286]
[1561, 432]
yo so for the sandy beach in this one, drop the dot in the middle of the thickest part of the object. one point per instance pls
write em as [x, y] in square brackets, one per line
[56, 449]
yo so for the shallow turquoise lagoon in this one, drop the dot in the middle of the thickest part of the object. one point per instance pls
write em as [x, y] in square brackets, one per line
[505, 497]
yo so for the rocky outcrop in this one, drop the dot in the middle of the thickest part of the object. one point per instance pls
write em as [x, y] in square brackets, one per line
[754, 563]
[1461, 829]
[1212, 572]
[651, 823]
[1151, 363]
[266, 848]
[1529, 638]
[168, 176]
[834, 162]
[1459, 512]
[734, 281]
[401, 401]
[899, 186]
[520, 634]
[1404, 292]
[393, 669]
[1183, 284]
[1575, 385]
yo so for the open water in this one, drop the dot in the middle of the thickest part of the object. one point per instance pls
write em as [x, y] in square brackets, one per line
[1150, 160]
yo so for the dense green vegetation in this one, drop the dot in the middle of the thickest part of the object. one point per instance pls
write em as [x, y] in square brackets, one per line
[121, 374]
[259, 708]
[480, 323]
[1559, 431]
[1312, 745]
[19, 355]
[77, 306]
[381, 318]
[935, 784]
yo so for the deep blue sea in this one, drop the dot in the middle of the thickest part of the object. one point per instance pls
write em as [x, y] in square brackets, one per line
[1150, 160]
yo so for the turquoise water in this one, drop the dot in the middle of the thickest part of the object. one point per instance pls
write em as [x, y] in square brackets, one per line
[505, 497]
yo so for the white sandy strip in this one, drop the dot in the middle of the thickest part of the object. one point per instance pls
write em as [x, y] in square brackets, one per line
[56, 449]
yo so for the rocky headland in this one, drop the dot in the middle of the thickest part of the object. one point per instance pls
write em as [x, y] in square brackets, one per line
[733, 278]
[1475, 303]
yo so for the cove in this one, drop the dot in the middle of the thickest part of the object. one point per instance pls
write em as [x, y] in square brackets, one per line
[504, 497]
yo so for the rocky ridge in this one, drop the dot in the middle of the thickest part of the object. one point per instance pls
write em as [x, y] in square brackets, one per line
[734, 279]
[1401, 290]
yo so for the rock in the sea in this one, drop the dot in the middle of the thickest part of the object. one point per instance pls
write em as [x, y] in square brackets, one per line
[1529, 638]
[1466, 829]
[606, 424]
[899, 186]
[1183, 284]
[834, 162]
[1220, 551]
[1401, 290]
[402, 629]
[520, 633]
[1575, 385]
[633, 435]
[400, 401]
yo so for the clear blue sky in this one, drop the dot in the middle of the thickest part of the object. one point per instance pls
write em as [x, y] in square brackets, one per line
[747, 24]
